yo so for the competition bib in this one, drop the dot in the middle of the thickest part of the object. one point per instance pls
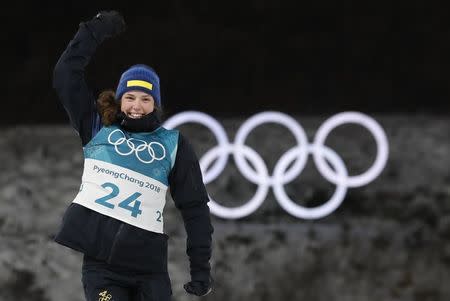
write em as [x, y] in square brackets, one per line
[123, 194]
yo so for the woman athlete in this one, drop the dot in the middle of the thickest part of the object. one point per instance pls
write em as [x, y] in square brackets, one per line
[116, 219]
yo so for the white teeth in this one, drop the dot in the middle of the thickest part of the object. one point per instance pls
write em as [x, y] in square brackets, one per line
[135, 115]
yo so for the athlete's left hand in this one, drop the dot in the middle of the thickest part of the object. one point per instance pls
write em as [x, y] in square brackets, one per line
[199, 288]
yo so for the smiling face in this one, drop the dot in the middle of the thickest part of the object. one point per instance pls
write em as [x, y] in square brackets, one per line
[136, 104]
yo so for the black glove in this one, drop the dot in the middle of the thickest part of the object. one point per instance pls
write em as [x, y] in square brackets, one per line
[106, 24]
[199, 288]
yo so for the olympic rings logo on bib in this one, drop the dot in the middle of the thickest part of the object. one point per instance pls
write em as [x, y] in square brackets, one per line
[284, 173]
[143, 151]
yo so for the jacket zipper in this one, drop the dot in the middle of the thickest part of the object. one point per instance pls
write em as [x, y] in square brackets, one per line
[116, 238]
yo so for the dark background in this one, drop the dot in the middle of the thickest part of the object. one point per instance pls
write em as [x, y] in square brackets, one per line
[239, 57]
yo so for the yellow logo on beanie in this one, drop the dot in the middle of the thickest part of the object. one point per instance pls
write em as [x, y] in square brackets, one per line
[139, 83]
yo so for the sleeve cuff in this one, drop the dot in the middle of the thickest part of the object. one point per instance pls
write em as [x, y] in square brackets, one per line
[203, 276]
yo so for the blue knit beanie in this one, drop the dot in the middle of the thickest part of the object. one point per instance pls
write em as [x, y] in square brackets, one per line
[139, 77]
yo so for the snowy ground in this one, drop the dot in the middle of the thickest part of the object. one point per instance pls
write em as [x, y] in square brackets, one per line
[389, 240]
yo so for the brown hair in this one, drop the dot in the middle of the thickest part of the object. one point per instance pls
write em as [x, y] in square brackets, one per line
[108, 107]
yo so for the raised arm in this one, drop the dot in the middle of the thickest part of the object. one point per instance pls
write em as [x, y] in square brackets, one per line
[190, 197]
[69, 74]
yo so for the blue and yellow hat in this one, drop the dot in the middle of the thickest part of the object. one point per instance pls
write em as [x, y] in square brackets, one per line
[139, 77]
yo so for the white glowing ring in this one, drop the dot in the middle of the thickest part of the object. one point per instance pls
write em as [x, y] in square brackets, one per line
[374, 128]
[215, 127]
[304, 212]
[261, 192]
[273, 117]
